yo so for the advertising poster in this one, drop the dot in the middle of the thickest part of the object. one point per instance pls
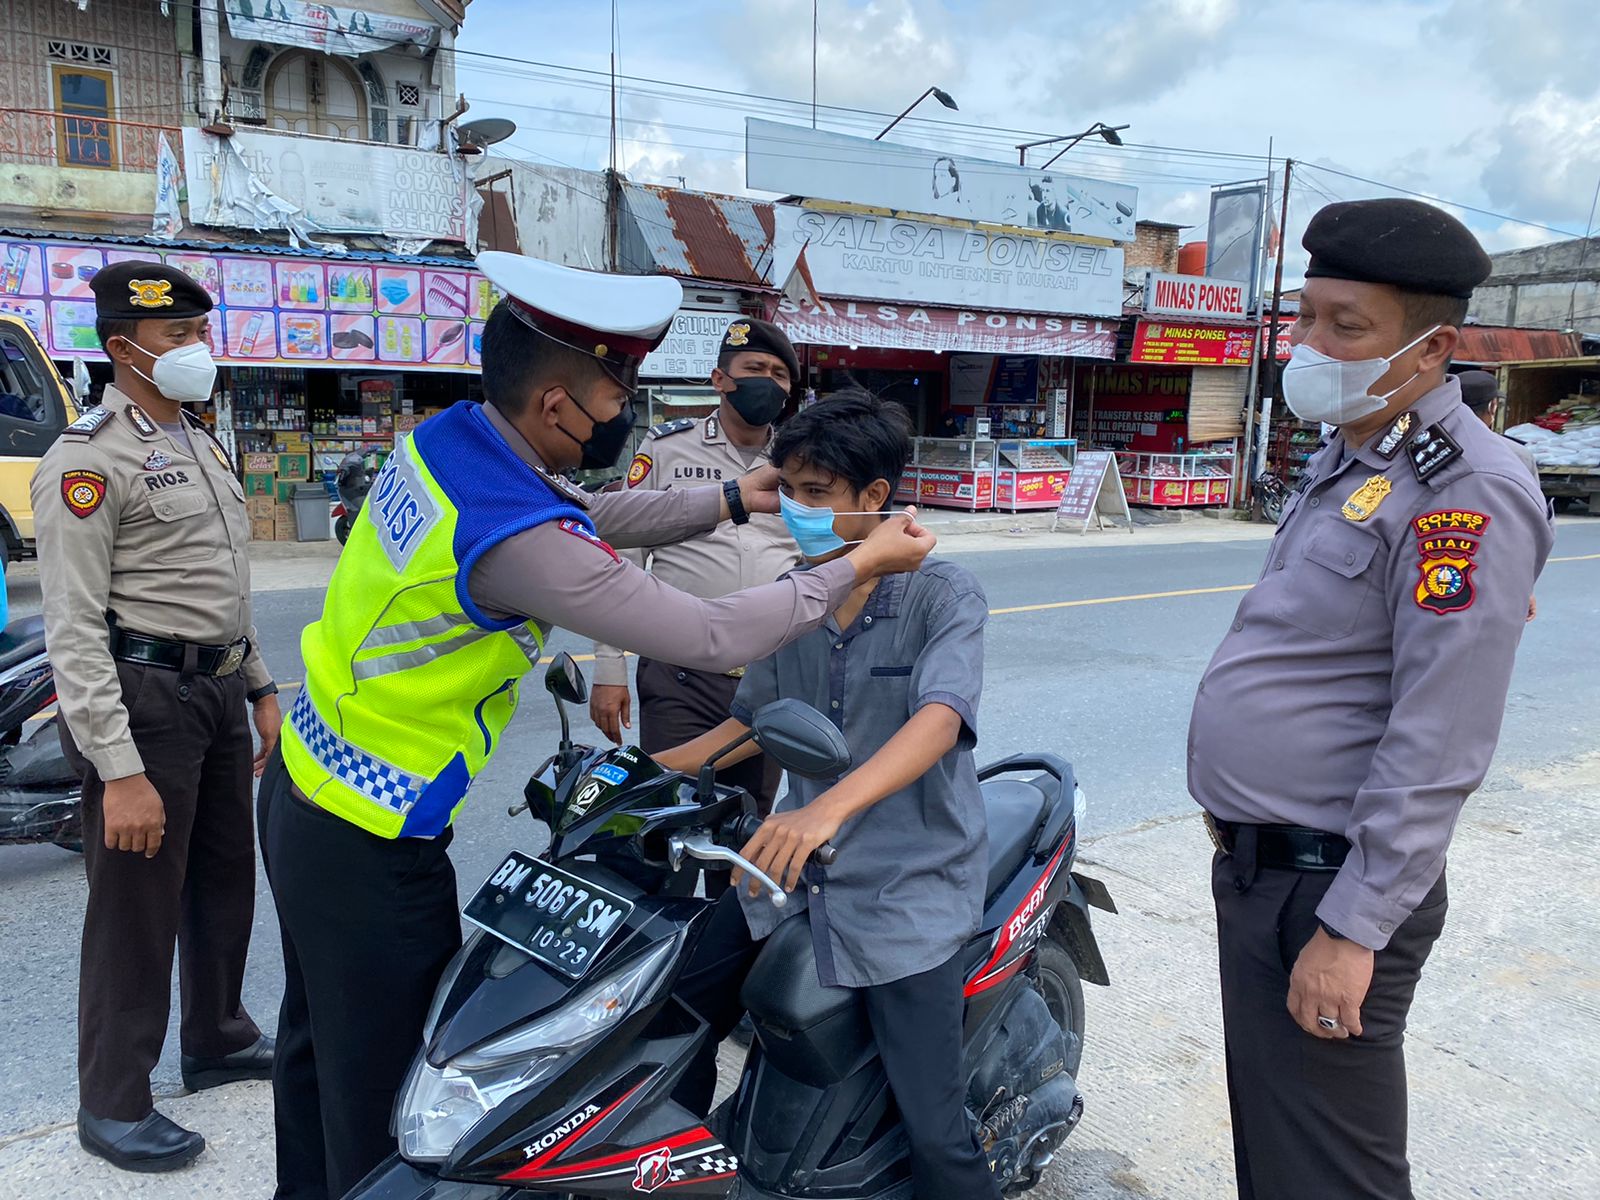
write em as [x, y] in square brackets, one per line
[918, 327]
[270, 308]
[1192, 345]
[690, 349]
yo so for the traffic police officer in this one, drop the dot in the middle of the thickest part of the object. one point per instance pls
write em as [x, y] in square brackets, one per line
[756, 373]
[1376, 649]
[471, 546]
[145, 573]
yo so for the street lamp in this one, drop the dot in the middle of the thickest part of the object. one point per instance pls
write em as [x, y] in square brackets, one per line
[1108, 132]
[939, 94]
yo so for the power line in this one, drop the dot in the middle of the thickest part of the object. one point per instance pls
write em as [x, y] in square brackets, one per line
[1432, 199]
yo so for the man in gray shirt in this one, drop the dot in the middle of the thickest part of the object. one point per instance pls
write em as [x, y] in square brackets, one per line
[899, 669]
[1355, 704]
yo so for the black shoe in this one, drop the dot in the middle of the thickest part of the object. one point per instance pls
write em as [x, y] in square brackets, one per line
[253, 1062]
[151, 1145]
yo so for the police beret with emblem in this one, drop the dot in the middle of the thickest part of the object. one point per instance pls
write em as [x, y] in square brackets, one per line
[616, 318]
[1479, 389]
[140, 291]
[1403, 243]
[763, 337]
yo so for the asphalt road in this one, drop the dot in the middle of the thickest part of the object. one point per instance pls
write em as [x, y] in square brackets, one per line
[1092, 654]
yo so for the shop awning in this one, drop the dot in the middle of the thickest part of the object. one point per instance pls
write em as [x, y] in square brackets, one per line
[968, 331]
[1486, 345]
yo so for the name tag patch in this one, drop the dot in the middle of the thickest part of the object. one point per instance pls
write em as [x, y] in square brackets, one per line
[401, 507]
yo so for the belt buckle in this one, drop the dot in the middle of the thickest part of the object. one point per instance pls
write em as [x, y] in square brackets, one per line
[736, 673]
[232, 659]
[1211, 831]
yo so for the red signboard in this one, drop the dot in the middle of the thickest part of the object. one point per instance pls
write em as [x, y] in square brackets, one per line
[1017, 490]
[1192, 345]
[971, 490]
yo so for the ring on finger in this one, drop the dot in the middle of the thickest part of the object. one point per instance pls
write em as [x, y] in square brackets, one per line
[1328, 1023]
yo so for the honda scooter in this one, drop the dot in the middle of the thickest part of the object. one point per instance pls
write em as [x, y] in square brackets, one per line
[555, 1041]
[39, 791]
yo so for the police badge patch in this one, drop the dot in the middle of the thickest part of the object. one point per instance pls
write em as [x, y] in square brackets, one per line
[639, 468]
[83, 492]
[576, 529]
[1446, 543]
[1395, 436]
[157, 461]
[141, 421]
[738, 334]
[1365, 499]
[1446, 585]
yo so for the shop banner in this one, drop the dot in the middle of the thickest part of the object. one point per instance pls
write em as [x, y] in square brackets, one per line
[1193, 345]
[820, 165]
[913, 327]
[335, 186]
[690, 349]
[889, 259]
[1195, 296]
[1141, 408]
[332, 29]
[301, 312]
[1283, 349]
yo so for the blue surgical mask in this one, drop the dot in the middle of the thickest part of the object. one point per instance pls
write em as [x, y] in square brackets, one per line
[812, 528]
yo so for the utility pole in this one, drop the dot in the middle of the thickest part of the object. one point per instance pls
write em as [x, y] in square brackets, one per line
[814, 63]
[1277, 299]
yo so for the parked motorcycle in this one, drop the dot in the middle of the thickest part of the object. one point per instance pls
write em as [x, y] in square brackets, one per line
[39, 790]
[555, 1041]
[353, 482]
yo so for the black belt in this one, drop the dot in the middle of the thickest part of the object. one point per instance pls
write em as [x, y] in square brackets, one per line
[1288, 847]
[160, 652]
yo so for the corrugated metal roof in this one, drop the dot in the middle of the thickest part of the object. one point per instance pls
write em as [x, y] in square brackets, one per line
[281, 250]
[704, 236]
[1499, 344]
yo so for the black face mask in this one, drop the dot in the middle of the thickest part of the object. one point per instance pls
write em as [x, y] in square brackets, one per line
[606, 441]
[758, 399]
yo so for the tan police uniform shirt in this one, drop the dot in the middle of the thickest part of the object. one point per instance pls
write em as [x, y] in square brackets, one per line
[133, 522]
[729, 558]
[556, 574]
[1361, 687]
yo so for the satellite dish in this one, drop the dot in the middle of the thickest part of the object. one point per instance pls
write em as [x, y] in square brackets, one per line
[485, 132]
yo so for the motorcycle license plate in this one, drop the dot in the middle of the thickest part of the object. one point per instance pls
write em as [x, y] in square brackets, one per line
[560, 919]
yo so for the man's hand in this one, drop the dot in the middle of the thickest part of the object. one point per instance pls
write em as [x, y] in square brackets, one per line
[135, 818]
[1533, 608]
[897, 544]
[784, 842]
[610, 707]
[269, 723]
[759, 489]
[1330, 979]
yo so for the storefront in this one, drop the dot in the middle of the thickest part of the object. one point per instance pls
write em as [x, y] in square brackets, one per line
[320, 355]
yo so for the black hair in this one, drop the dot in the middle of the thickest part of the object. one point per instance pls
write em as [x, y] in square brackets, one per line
[517, 360]
[851, 434]
[106, 328]
[1424, 310]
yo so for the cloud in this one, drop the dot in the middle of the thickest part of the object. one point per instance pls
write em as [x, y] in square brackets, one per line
[1546, 160]
[1523, 47]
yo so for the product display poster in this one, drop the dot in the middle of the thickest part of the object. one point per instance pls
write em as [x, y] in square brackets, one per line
[270, 308]
[1093, 492]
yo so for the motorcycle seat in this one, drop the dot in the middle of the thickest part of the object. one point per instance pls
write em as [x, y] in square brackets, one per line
[23, 639]
[1015, 808]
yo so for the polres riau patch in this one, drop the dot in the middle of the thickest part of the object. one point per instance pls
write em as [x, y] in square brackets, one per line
[576, 529]
[1446, 586]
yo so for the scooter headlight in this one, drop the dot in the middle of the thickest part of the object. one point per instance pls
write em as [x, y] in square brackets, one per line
[440, 1105]
[1080, 808]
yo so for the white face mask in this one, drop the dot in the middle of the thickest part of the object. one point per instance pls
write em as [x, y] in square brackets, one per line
[1319, 388]
[184, 374]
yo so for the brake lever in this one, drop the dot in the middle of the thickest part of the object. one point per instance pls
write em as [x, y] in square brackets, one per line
[699, 845]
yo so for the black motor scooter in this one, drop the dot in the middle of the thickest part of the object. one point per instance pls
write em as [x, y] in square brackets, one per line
[39, 791]
[353, 482]
[555, 1041]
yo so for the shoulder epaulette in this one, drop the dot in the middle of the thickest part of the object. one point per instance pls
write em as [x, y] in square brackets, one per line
[90, 422]
[668, 428]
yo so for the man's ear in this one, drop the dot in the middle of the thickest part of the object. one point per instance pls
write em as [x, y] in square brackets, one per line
[119, 351]
[545, 403]
[719, 377]
[1439, 349]
[875, 495]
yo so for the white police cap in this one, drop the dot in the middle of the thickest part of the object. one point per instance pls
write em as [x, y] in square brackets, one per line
[617, 318]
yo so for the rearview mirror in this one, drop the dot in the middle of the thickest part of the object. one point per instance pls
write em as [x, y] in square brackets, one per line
[800, 739]
[564, 681]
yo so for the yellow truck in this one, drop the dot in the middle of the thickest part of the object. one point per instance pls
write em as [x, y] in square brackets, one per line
[35, 406]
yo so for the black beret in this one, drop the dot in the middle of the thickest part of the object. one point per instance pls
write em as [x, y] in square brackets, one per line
[1404, 243]
[763, 337]
[139, 291]
[1478, 389]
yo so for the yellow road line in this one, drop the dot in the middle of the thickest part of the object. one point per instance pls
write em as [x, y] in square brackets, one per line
[1575, 558]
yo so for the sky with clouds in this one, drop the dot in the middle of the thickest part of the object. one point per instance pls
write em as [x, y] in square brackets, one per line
[1486, 104]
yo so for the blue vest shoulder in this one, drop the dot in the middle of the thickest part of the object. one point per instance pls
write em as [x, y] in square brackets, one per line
[496, 495]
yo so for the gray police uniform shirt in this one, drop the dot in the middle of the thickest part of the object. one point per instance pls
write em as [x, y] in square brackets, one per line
[907, 889]
[1361, 688]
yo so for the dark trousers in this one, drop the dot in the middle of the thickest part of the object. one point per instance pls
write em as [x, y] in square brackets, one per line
[1313, 1119]
[369, 925]
[677, 703]
[916, 1023]
[197, 893]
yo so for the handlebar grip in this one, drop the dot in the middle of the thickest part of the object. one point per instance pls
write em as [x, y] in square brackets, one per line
[825, 854]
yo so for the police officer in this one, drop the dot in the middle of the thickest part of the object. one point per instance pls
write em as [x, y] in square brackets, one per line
[756, 373]
[145, 573]
[1480, 391]
[471, 546]
[1376, 648]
